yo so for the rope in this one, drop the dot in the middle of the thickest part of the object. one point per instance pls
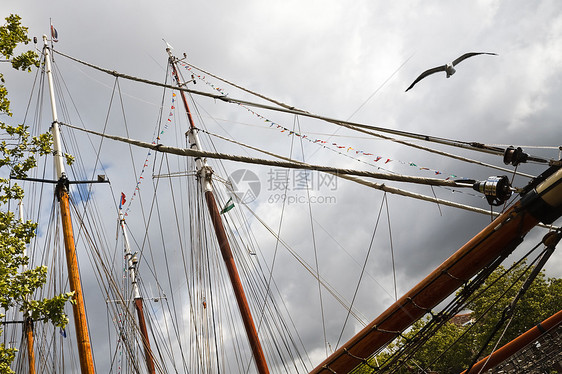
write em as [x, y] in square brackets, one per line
[391, 247]
[291, 110]
[362, 271]
[348, 174]
[381, 187]
[281, 164]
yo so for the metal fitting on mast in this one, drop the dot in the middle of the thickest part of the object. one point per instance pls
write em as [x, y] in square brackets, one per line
[496, 189]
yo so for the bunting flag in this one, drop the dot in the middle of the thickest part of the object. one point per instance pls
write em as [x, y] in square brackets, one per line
[146, 161]
[228, 206]
[54, 34]
[320, 142]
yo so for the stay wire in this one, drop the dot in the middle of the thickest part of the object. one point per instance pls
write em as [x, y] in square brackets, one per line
[164, 250]
[362, 270]
[275, 251]
[296, 123]
[385, 197]
[309, 268]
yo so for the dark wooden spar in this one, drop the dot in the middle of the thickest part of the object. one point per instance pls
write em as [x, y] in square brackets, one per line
[516, 344]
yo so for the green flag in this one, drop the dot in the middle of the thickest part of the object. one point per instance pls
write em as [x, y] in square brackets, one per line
[229, 205]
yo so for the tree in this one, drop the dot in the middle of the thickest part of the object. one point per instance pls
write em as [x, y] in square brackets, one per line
[453, 348]
[17, 156]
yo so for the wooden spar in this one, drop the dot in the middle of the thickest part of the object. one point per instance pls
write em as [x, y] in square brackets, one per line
[28, 323]
[542, 203]
[206, 174]
[236, 284]
[81, 324]
[516, 344]
[132, 266]
[144, 334]
[28, 326]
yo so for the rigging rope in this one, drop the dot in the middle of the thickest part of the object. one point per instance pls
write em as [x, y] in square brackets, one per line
[315, 249]
[281, 164]
[475, 146]
[342, 173]
[381, 187]
[471, 145]
[362, 271]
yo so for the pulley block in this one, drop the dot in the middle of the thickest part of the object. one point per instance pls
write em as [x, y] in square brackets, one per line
[514, 156]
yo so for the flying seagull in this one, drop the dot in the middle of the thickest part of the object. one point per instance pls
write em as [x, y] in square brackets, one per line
[448, 68]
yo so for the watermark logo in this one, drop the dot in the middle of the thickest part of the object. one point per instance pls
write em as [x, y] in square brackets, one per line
[246, 185]
[284, 186]
[300, 186]
[300, 180]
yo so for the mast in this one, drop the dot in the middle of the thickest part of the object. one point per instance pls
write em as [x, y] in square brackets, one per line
[132, 266]
[28, 328]
[28, 322]
[541, 202]
[206, 173]
[81, 324]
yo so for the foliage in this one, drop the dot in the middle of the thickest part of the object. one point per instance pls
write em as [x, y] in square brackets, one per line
[17, 157]
[11, 35]
[442, 353]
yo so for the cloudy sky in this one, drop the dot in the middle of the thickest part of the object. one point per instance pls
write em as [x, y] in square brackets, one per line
[347, 61]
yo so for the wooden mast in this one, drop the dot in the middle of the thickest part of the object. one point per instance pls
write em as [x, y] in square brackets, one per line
[81, 324]
[205, 173]
[28, 322]
[541, 202]
[132, 266]
[28, 327]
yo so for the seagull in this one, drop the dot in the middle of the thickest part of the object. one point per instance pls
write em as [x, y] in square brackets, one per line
[448, 68]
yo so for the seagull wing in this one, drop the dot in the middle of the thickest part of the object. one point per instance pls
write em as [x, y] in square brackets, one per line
[426, 73]
[470, 54]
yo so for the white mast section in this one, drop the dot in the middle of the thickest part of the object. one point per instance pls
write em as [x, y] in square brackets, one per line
[130, 257]
[55, 131]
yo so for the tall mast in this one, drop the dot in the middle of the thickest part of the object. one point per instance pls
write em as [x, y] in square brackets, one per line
[81, 324]
[28, 322]
[132, 266]
[206, 173]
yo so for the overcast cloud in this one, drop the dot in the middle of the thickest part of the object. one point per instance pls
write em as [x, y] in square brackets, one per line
[347, 61]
